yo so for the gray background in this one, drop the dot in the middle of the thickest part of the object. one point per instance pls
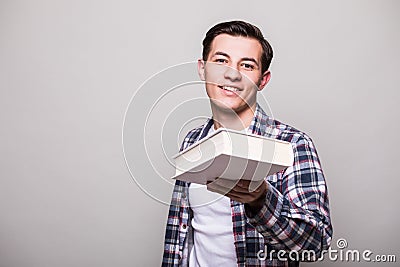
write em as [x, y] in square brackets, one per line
[68, 70]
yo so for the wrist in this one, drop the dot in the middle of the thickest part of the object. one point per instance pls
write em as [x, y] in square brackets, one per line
[256, 205]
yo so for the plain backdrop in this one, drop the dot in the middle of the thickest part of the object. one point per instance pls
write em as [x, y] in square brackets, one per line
[69, 69]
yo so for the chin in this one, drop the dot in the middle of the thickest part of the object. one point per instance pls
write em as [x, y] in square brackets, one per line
[226, 106]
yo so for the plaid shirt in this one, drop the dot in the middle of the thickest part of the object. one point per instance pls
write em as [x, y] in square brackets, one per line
[295, 215]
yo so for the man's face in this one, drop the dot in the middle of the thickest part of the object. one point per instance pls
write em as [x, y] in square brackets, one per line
[233, 73]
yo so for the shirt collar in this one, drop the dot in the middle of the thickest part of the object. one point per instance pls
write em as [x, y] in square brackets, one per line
[261, 124]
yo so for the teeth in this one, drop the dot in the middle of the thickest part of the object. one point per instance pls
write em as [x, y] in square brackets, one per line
[229, 88]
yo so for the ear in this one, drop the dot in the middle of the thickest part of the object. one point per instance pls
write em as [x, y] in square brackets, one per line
[200, 69]
[264, 80]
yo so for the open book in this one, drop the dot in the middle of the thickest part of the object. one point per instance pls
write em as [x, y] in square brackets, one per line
[232, 155]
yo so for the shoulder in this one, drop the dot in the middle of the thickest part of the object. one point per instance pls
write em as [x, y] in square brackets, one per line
[289, 133]
[265, 125]
[300, 140]
[192, 136]
[305, 152]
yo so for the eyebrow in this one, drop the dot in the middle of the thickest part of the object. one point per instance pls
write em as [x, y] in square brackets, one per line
[242, 59]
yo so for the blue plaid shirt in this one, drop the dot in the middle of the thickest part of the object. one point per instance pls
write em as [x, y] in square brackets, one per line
[295, 215]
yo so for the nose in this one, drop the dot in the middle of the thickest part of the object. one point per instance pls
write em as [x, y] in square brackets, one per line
[232, 74]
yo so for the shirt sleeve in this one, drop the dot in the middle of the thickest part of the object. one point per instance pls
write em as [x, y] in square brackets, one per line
[296, 217]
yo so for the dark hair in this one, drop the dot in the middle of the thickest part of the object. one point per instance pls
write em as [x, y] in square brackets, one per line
[239, 28]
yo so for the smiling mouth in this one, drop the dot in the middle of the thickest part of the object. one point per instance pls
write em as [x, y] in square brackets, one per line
[230, 88]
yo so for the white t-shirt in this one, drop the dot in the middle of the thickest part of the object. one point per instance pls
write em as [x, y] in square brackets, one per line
[212, 228]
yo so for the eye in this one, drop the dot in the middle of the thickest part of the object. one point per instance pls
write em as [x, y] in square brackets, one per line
[248, 66]
[220, 60]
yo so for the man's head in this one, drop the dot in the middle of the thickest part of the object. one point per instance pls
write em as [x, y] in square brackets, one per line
[243, 29]
[235, 63]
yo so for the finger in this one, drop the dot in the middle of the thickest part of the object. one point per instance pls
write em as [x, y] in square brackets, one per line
[226, 183]
[236, 195]
[255, 185]
[238, 186]
[214, 187]
[243, 186]
[220, 188]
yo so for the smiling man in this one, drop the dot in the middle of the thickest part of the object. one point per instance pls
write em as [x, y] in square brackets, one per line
[242, 224]
[232, 88]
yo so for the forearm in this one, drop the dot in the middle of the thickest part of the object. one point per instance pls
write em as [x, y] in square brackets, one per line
[288, 226]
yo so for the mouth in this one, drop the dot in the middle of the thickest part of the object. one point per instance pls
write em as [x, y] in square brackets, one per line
[230, 88]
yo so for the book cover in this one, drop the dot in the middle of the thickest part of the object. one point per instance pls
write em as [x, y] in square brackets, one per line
[232, 155]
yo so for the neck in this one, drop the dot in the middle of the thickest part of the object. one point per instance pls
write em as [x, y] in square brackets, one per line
[232, 120]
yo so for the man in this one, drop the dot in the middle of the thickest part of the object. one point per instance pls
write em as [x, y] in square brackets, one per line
[288, 211]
